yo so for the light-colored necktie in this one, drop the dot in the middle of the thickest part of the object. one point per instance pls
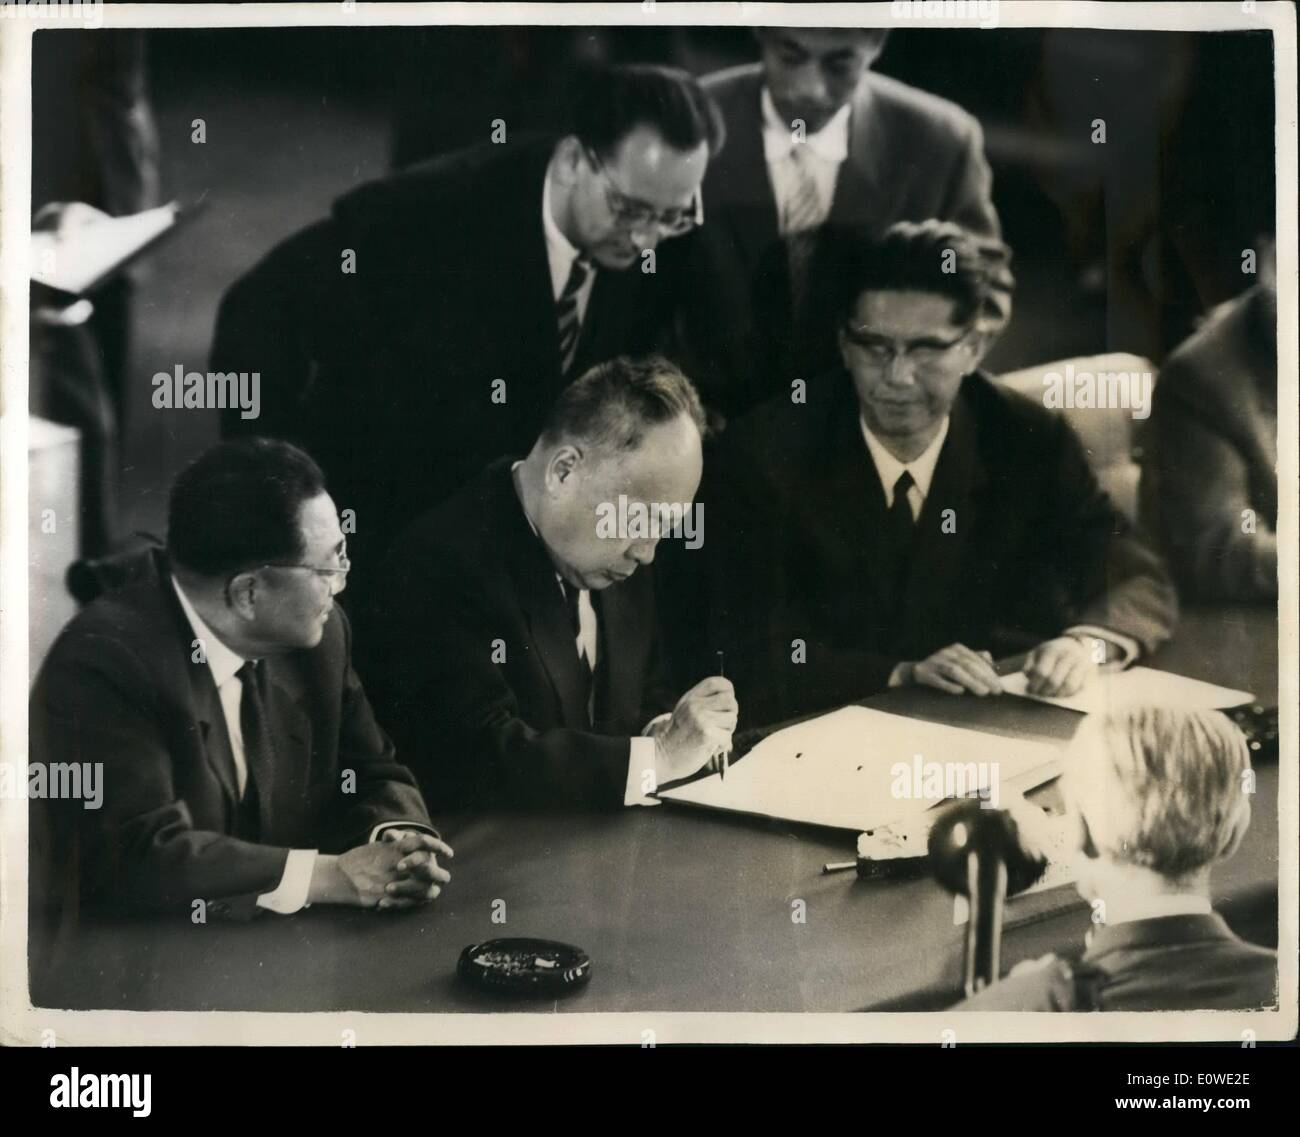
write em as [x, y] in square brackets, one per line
[803, 213]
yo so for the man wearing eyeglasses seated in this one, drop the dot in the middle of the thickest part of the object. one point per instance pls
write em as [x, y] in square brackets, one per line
[213, 706]
[908, 520]
[483, 281]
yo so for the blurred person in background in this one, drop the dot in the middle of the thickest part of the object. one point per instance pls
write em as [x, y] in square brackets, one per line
[1209, 478]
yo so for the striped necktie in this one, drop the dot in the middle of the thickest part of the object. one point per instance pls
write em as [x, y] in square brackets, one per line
[802, 213]
[566, 312]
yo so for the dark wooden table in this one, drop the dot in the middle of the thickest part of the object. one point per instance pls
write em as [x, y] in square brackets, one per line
[679, 909]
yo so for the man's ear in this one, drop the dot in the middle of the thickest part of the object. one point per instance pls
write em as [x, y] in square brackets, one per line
[561, 468]
[569, 156]
[242, 594]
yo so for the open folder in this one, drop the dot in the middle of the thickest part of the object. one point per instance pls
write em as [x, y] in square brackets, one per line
[858, 768]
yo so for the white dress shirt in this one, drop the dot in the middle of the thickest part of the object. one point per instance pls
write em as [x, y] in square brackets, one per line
[641, 751]
[560, 254]
[922, 467]
[290, 894]
[890, 469]
[821, 155]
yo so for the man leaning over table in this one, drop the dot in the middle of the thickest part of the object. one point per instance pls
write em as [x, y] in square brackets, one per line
[909, 520]
[241, 763]
[513, 641]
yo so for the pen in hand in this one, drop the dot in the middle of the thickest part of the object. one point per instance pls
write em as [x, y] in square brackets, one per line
[720, 760]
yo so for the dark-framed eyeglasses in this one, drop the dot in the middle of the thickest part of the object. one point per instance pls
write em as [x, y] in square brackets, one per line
[631, 213]
[880, 351]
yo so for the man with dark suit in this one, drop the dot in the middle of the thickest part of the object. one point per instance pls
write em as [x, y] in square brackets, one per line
[511, 647]
[1144, 855]
[813, 136]
[215, 701]
[1209, 471]
[905, 519]
[428, 325]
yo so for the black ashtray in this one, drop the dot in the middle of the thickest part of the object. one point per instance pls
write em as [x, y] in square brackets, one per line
[525, 966]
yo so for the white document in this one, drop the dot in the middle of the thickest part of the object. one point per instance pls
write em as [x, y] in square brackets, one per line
[859, 769]
[79, 256]
[1112, 690]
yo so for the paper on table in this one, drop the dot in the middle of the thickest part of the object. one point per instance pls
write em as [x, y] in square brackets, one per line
[80, 256]
[839, 770]
[1138, 685]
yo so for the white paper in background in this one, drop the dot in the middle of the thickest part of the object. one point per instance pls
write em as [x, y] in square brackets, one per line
[838, 769]
[1111, 690]
[76, 257]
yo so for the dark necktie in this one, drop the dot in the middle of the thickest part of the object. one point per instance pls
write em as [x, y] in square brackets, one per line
[566, 312]
[258, 749]
[900, 527]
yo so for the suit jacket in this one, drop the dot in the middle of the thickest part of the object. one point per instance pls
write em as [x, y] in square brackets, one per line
[1031, 546]
[1169, 963]
[474, 668]
[390, 376]
[120, 687]
[1210, 454]
[912, 156]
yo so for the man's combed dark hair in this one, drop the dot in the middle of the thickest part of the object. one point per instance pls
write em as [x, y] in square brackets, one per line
[238, 505]
[610, 102]
[920, 256]
[611, 406]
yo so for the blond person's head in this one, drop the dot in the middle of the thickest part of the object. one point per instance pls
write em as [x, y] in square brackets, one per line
[1161, 790]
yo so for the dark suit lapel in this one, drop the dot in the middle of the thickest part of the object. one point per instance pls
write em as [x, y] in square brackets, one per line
[217, 751]
[540, 599]
[214, 737]
[740, 194]
[854, 504]
[510, 285]
[959, 484]
[859, 195]
[605, 320]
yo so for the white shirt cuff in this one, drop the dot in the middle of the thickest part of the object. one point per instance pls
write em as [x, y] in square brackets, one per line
[290, 894]
[1128, 646]
[641, 766]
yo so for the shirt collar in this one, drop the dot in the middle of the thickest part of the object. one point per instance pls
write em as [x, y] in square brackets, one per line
[223, 662]
[560, 253]
[830, 144]
[889, 468]
[1153, 907]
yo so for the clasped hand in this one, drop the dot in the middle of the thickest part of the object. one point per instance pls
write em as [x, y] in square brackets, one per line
[400, 870]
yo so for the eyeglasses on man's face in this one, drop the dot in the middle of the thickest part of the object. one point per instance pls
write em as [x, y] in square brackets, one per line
[879, 351]
[334, 574]
[632, 213]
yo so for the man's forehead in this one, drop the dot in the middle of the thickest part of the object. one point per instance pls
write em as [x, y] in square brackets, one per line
[823, 41]
[319, 522]
[912, 310]
[644, 151]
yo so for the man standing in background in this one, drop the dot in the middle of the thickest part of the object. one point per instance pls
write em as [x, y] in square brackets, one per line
[814, 136]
